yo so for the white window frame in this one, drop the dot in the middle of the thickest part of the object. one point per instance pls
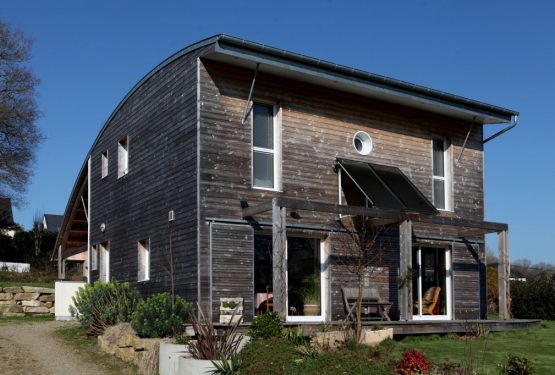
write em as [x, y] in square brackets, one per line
[275, 151]
[104, 262]
[446, 171]
[104, 164]
[94, 257]
[324, 281]
[123, 156]
[143, 246]
[448, 287]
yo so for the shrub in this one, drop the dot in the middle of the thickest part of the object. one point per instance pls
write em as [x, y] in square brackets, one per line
[534, 298]
[266, 325]
[99, 305]
[516, 365]
[208, 344]
[157, 316]
[413, 362]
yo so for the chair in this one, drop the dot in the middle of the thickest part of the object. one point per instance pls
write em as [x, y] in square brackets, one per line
[269, 298]
[430, 301]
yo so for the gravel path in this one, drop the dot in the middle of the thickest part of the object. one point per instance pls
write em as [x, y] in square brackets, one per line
[33, 348]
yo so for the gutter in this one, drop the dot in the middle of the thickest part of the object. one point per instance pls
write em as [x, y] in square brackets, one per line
[514, 121]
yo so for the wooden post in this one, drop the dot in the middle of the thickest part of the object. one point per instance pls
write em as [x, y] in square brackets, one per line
[60, 261]
[279, 238]
[405, 264]
[504, 273]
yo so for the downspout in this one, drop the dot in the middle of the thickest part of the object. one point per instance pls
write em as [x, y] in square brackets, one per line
[514, 121]
[89, 195]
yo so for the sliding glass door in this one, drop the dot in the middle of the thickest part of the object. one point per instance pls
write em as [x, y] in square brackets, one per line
[431, 287]
[305, 277]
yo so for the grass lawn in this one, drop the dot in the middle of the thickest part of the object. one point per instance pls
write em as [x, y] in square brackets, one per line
[27, 318]
[536, 344]
[87, 346]
[26, 283]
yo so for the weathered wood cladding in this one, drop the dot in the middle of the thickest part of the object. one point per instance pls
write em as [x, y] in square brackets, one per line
[160, 121]
[317, 127]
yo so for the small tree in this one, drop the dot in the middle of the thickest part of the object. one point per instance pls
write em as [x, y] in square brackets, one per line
[364, 245]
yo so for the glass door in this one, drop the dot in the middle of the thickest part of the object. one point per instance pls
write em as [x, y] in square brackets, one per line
[305, 277]
[431, 288]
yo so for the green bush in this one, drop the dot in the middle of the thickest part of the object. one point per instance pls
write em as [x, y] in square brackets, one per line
[266, 325]
[99, 305]
[516, 365]
[534, 298]
[157, 316]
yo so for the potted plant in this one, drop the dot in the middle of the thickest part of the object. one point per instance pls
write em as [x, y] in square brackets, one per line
[231, 310]
[310, 294]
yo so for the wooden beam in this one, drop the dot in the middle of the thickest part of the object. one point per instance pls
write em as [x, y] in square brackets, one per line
[504, 274]
[258, 209]
[405, 266]
[485, 226]
[279, 237]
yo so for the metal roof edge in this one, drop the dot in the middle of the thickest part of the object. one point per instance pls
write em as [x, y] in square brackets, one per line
[375, 79]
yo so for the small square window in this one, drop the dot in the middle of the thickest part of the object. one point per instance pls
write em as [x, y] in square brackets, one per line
[104, 164]
[143, 273]
[123, 157]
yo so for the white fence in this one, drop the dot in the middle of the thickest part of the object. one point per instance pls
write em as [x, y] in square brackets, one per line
[15, 267]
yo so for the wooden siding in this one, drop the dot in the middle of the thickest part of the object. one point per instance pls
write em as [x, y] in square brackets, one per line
[160, 119]
[232, 266]
[317, 127]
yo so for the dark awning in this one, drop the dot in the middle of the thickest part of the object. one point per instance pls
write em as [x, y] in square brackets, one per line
[386, 187]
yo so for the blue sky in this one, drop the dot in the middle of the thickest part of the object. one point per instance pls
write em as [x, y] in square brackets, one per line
[89, 54]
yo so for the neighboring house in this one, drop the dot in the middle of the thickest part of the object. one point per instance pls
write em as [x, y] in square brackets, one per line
[190, 181]
[52, 222]
[6, 217]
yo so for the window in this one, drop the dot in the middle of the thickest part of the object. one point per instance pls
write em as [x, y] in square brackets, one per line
[143, 273]
[104, 262]
[362, 143]
[440, 174]
[265, 153]
[104, 164]
[123, 157]
[94, 258]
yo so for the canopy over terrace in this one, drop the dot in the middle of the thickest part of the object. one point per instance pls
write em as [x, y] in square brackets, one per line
[380, 216]
[73, 237]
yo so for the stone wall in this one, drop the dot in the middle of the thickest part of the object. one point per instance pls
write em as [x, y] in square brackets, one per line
[18, 300]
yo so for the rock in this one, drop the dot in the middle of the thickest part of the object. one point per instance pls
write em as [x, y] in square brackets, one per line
[125, 354]
[13, 289]
[48, 304]
[39, 310]
[373, 338]
[15, 309]
[7, 303]
[6, 296]
[329, 340]
[35, 289]
[52, 310]
[33, 303]
[26, 296]
[107, 346]
[145, 344]
[47, 298]
[127, 340]
[138, 357]
[13, 315]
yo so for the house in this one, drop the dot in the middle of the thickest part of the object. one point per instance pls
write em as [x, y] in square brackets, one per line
[6, 217]
[222, 171]
[52, 222]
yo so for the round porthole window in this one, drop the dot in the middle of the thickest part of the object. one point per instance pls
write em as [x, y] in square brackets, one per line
[362, 143]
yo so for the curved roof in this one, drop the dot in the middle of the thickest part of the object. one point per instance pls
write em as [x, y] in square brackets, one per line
[241, 52]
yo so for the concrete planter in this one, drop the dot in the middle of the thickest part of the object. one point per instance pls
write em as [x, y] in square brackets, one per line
[191, 366]
[169, 358]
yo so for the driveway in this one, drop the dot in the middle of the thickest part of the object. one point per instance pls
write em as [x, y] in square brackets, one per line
[33, 348]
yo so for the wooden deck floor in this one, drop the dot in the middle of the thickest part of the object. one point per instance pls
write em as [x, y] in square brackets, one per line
[420, 327]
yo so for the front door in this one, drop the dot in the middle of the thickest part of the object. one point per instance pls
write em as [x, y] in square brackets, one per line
[431, 287]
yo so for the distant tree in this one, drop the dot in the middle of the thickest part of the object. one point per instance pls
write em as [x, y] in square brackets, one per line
[524, 263]
[19, 135]
[491, 256]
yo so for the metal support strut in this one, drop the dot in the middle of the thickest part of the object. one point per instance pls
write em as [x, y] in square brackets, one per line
[247, 110]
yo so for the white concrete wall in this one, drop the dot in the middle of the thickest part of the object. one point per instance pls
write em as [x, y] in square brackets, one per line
[64, 291]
